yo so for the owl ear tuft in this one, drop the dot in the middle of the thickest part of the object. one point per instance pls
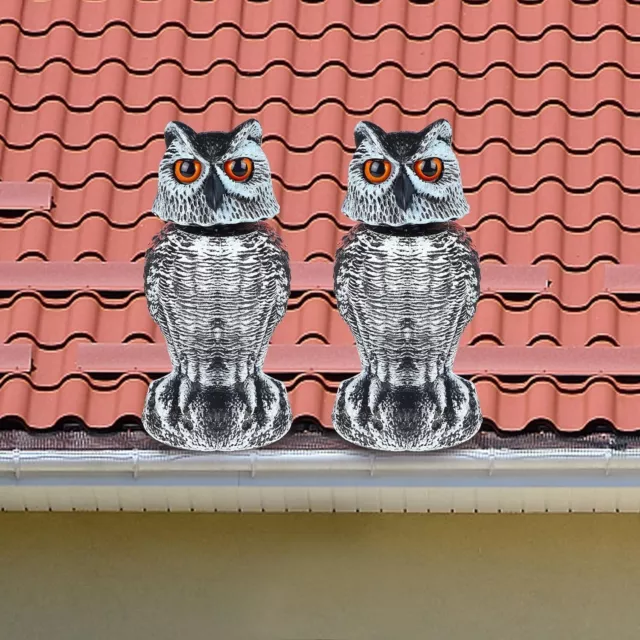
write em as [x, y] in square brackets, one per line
[440, 129]
[367, 131]
[178, 131]
[249, 130]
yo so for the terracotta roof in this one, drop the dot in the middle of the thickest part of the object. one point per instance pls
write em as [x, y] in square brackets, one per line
[543, 98]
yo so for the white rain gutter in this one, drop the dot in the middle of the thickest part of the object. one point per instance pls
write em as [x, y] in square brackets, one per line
[474, 480]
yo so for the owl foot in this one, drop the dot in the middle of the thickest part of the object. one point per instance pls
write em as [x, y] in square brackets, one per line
[188, 415]
[377, 415]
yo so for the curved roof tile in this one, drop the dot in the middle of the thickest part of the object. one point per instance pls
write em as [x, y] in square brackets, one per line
[543, 98]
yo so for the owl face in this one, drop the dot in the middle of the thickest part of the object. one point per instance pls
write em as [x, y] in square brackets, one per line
[404, 177]
[213, 178]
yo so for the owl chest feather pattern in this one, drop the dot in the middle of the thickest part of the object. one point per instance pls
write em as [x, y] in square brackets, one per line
[217, 299]
[407, 298]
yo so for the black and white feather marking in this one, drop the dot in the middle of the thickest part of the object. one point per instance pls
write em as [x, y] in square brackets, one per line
[407, 295]
[217, 284]
[432, 202]
[217, 298]
[240, 202]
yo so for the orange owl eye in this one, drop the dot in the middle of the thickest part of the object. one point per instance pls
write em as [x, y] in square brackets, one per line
[429, 169]
[377, 171]
[239, 169]
[187, 171]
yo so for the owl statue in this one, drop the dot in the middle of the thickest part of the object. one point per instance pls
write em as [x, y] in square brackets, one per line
[407, 282]
[217, 281]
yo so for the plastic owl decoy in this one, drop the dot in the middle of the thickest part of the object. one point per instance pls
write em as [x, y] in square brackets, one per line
[217, 281]
[407, 282]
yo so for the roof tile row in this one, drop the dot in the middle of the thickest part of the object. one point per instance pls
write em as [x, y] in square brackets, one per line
[334, 84]
[523, 172]
[583, 19]
[314, 317]
[94, 237]
[133, 131]
[124, 208]
[416, 58]
[569, 409]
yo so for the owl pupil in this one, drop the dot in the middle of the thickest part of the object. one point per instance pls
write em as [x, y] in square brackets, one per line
[239, 168]
[429, 167]
[187, 168]
[377, 169]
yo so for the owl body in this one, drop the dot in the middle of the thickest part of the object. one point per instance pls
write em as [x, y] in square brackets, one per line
[217, 292]
[407, 282]
[407, 297]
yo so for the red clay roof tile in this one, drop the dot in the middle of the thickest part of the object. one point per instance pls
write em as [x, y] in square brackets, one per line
[124, 208]
[543, 98]
[523, 172]
[335, 47]
[548, 240]
[584, 20]
[313, 317]
[569, 408]
[526, 95]
[77, 130]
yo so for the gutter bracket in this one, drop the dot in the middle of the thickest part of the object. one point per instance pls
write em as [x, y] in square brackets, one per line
[608, 457]
[16, 463]
[136, 464]
[492, 462]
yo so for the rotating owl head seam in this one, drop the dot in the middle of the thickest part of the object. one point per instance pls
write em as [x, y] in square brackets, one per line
[215, 177]
[404, 177]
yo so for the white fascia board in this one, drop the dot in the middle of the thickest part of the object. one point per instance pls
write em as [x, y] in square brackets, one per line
[470, 480]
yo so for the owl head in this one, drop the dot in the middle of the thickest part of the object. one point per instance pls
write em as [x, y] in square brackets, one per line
[404, 177]
[213, 178]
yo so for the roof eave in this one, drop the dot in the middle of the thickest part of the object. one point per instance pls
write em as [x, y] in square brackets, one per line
[473, 480]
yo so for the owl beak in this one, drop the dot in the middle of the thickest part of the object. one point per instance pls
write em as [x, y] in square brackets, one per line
[403, 190]
[213, 190]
